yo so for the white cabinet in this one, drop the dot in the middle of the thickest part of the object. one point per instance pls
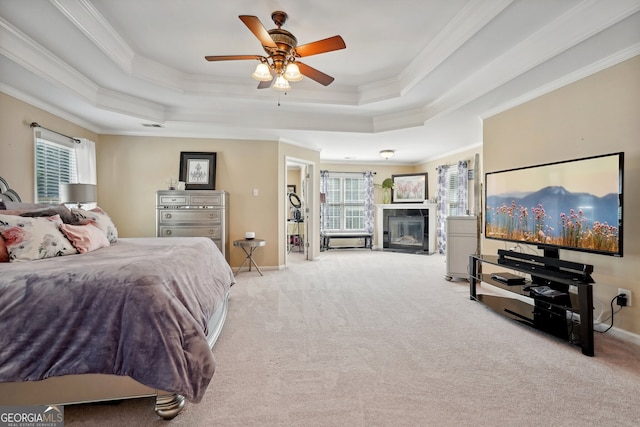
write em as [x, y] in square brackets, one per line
[193, 213]
[462, 234]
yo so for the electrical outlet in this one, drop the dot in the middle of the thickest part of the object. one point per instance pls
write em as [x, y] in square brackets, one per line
[626, 292]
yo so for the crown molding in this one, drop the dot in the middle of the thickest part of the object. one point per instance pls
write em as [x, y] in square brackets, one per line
[566, 80]
[471, 19]
[26, 52]
[93, 25]
[51, 109]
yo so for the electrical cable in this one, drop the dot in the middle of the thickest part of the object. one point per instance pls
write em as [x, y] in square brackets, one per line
[612, 313]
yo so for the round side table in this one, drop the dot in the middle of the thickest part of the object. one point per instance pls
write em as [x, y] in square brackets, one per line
[249, 246]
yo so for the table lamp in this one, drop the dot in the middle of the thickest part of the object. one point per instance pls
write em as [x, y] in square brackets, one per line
[78, 193]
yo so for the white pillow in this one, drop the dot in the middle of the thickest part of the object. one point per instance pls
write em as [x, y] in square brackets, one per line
[34, 238]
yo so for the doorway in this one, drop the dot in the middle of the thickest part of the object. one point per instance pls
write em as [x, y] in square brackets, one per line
[299, 212]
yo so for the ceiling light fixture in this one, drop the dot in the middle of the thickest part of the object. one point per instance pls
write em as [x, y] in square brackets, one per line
[281, 84]
[262, 73]
[292, 73]
[386, 154]
[281, 61]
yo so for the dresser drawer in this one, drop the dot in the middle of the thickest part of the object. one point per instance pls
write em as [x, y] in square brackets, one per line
[173, 200]
[190, 215]
[212, 232]
[206, 200]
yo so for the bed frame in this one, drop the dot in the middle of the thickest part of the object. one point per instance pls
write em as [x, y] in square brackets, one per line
[89, 388]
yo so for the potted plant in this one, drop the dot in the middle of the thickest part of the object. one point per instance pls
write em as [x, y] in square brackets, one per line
[386, 185]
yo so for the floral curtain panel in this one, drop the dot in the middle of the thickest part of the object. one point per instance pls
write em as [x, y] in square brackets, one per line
[368, 201]
[442, 207]
[324, 208]
[452, 199]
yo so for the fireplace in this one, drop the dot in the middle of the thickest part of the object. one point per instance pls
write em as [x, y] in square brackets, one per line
[407, 233]
[426, 212]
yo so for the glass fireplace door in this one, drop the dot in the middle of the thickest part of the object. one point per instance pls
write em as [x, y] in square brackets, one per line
[406, 233]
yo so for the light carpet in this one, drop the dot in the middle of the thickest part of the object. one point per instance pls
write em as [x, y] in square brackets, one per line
[368, 338]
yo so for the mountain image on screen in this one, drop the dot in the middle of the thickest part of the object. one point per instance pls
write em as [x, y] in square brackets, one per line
[553, 215]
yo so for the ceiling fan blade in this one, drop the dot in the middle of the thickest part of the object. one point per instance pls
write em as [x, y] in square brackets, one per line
[258, 30]
[321, 46]
[231, 57]
[313, 74]
[265, 85]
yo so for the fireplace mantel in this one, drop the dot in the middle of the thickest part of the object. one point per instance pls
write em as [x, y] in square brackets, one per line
[379, 230]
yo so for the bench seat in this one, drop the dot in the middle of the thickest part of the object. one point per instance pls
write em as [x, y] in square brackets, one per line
[368, 238]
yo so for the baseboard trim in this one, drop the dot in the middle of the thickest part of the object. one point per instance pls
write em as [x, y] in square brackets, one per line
[624, 335]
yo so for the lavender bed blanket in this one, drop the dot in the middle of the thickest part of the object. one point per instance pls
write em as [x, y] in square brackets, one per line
[137, 308]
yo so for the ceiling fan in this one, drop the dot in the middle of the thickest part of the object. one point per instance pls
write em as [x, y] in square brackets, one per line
[283, 52]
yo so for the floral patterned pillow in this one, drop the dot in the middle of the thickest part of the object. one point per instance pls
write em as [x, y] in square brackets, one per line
[100, 219]
[4, 254]
[34, 238]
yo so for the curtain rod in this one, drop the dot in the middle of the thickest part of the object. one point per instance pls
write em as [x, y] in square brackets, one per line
[36, 125]
[348, 172]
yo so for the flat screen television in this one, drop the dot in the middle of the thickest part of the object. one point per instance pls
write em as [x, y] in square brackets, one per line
[574, 204]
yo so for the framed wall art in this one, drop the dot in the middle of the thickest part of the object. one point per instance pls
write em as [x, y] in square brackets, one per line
[409, 188]
[198, 170]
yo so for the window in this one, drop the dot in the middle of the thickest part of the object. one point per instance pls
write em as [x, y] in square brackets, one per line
[451, 190]
[345, 200]
[55, 161]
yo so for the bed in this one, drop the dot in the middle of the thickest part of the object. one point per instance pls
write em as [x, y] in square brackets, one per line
[137, 317]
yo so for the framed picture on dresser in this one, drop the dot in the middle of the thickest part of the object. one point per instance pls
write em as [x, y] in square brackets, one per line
[198, 170]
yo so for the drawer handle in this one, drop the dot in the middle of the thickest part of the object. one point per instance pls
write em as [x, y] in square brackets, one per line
[167, 216]
[212, 215]
[168, 232]
[211, 231]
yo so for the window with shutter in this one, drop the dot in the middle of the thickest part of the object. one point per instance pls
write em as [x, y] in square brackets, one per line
[345, 199]
[452, 191]
[55, 163]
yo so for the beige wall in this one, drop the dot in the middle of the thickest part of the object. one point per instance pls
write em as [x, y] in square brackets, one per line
[597, 115]
[131, 169]
[431, 168]
[382, 172]
[16, 141]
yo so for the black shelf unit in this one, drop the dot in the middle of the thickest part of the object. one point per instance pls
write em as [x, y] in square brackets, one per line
[568, 315]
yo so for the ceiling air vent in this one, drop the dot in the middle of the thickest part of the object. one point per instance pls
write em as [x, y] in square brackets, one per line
[152, 125]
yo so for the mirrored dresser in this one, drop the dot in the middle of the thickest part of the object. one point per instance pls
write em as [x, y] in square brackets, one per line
[194, 213]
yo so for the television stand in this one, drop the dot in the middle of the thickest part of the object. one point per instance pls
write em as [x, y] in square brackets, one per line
[558, 301]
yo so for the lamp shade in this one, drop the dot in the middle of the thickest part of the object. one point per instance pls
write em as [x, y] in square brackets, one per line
[262, 73]
[78, 193]
[281, 84]
[292, 73]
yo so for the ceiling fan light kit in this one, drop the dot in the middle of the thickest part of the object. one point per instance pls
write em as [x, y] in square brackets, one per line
[292, 73]
[283, 52]
[262, 73]
[281, 84]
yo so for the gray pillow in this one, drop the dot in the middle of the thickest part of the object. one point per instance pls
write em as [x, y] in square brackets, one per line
[64, 212]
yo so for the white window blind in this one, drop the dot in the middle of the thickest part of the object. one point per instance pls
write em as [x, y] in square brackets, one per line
[452, 191]
[345, 200]
[55, 163]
